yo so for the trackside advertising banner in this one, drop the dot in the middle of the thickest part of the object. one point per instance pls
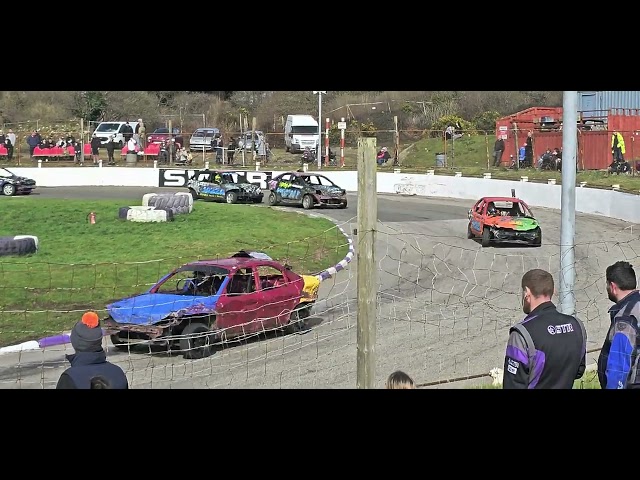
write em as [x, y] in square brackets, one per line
[173, 177]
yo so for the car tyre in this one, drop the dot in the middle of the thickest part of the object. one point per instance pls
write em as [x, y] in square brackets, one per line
[538, 240]
[119, 344]
[273, 199]
[193, 193]
[231, 197]
[486, 237]
[343, 205]
[9, 189]
[296, 322]
[469, 232]
[307, 202]
[194, 342]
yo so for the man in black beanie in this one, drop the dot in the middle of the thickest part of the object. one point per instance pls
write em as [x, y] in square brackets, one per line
[89, 359]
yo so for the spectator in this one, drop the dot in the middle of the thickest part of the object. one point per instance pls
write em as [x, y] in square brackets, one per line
[9, 146]
[528, 149]
[110, 146]
[2, 137]
[142, 132]
[547, 349]
[399, 380]
[498, 150]
[33, 141]
[613, 361]
[95, 149]
[77, 146]
[617, 147]
[231, 150]
[11, 136]
[383, 156]
[216, 144]
[89, 359]
[127, 132]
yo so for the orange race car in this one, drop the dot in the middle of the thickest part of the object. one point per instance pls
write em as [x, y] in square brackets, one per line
[503, 219]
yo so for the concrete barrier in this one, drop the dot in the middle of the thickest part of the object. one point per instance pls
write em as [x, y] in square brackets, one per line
[607, 203]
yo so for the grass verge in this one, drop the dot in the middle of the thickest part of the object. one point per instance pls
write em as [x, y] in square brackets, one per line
[81, 266]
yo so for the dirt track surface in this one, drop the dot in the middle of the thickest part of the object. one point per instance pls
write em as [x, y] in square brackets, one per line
[444, 305]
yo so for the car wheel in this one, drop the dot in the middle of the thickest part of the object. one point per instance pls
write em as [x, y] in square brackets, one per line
[9, 189]
[195, 341]
[307, 202]
[343, 205]
[193, 193]
[469, 232]
[486, 237]
[538, 240]
[296, 322]
[231, 197]
[118, 343]
[257, 200]
[273, 199]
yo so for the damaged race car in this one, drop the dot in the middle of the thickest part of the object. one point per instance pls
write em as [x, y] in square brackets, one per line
[503, 219]
[306, 189]
[220, 186]
[12, 184]
[207, 302]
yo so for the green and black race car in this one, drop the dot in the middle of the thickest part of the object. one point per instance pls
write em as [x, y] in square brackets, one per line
[220, 186]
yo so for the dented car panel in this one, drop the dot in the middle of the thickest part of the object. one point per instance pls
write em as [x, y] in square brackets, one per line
[292, 188]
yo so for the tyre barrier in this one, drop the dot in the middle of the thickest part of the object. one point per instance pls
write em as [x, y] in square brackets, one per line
[18, 245]
[179, 203]
[145, 214]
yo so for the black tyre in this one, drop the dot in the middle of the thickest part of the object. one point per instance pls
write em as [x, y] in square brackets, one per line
[486, 237]
[193, 193]
[8, 189]
[231, 197]
[538, 240]
[273, 199]
[18, 245]
[343, 205]
[257, 200]
[296, 323]
[195, 341]
[119, 343]
[307, 202]
[469, 232]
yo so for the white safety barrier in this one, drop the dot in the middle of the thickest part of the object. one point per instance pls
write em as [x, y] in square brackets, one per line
[608, 203]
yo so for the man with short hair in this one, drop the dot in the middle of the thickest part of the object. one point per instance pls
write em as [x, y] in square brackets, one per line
[548, 348]
[614, 364]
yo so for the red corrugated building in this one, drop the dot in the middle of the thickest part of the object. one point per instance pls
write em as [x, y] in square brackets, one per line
[594, 134]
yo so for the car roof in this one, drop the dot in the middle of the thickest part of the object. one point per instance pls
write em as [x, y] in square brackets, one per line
[501, 199]
[233, 262]
[302, 174]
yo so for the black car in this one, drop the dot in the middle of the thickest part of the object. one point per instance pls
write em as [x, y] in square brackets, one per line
[306, 189]
[12, 184]
[215, 185]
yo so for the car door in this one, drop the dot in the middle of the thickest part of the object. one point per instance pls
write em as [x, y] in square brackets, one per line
[280, 296]
[285, 191]
[239, 307]
[476, 216]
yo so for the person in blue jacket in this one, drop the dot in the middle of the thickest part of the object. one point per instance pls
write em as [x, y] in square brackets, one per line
[90, 360]
[615, 362]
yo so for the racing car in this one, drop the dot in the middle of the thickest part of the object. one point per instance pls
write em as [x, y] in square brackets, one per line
[206, 302]
[12, 184]
[220, 186]
[306, 189]
[503, 219]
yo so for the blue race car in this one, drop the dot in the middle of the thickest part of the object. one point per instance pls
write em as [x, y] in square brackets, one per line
[220, 186]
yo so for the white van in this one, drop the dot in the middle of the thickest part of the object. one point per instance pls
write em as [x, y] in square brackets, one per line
[105, 129]
[301, 131]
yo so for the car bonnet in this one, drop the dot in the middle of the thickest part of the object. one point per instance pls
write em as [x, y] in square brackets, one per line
[517, 223]
[150, 308]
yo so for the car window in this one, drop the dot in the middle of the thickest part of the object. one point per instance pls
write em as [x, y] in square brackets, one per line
[161, 130]
[242, 282]
[325, 181]
[270, 277]
[108, 127]
[226, 177]
[285, 178]
[193, 281]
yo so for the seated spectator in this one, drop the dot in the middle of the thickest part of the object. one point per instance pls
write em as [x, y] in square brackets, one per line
[383, 156]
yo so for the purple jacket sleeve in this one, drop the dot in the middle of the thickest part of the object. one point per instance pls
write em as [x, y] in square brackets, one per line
[516, 363]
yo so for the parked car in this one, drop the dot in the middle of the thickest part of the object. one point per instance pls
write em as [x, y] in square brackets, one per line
[206, 302]
[106, 129]
[162, 134]
[246, 142]
[201, 139]
[503, 219]
[220, 186]
[306, 189]
[12, 184]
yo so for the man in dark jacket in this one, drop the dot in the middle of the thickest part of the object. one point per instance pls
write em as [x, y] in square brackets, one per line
[547, 349]
[498, 150]
[111, 147]
[127, 132]
[621, 289]
[33, 141]
[89, 359]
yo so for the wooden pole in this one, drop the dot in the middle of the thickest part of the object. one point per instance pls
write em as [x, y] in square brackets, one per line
[81, 141]
[253, 142]
[396, 142]
[366, 266]
[515, 136]
[486, 143]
